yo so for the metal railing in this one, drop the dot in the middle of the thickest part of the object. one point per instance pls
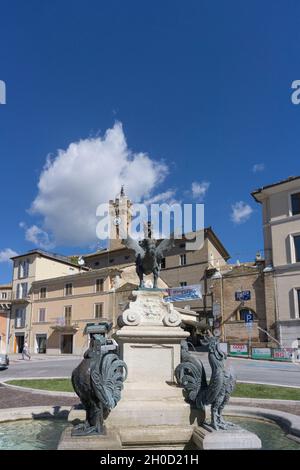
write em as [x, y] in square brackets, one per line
[64, 321]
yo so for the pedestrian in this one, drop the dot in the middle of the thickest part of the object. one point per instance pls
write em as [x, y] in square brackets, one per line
[25, 351]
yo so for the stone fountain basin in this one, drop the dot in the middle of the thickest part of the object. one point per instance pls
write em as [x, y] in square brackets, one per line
[154, 437]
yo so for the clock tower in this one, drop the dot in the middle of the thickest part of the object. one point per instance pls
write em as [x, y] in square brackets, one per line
[120, 217]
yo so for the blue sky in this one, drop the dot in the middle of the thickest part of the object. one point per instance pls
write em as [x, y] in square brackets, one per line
[202, 90]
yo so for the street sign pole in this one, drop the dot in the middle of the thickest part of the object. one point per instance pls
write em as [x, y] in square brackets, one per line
[250, 339]
[249, 326]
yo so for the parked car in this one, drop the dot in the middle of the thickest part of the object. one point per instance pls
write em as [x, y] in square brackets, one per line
[4, 361]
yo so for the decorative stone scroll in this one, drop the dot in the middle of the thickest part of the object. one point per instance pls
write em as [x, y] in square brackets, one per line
[149, 308]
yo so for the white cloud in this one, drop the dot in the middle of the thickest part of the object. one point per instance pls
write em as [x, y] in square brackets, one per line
[199, 189]
[258, 167]
[166, 197]
[87, 173]
[38, 237]
[6, 254]
[240, 212]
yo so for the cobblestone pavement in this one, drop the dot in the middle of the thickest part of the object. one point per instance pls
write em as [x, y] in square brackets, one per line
[15, 399]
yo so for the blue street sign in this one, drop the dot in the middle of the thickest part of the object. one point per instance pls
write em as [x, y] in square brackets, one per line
[249, 317]
[243, 295]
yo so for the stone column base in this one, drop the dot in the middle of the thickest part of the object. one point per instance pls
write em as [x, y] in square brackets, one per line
[236, 438]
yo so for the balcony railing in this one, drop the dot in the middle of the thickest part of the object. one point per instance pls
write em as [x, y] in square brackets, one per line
[20, 297]
[61, 323]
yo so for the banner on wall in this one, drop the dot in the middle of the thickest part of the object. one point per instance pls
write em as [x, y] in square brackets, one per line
[283, 354]
[261, 353]
[238, 350]
[178, 294]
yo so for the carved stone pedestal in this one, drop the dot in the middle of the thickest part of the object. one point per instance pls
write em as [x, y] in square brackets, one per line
[150, 341]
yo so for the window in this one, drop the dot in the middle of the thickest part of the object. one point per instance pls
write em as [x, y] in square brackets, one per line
[98, 310]
[297, 248]
[4, 295]
[43, 292]
[96, 264]
[99, 285]
[182, 245]
[127, 257]
[68, 289]
[183, 284]
[111, 260]
[163, 263]
[182, 260]
[42, 314]
[298, 299]
[68, 315]
[23, 269]
[22, 290]
[295, 203]
[20, 318]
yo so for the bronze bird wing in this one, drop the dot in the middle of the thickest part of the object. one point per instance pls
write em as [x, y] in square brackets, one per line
[133, 245]
[164, 247]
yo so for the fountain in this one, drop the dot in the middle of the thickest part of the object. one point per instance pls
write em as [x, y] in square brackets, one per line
[154, 410]
[150, 393]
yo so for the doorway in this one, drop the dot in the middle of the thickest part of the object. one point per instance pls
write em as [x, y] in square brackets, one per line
[67, 344]
[41, 344]
[19, 343]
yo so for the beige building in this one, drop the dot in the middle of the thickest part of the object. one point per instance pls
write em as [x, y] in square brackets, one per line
[5, 305]
[63, 306]
[225, 284]
[27, 268]
[281, 227]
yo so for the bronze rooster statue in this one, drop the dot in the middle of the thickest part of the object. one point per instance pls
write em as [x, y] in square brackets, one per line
[190, 374]
[98, 381]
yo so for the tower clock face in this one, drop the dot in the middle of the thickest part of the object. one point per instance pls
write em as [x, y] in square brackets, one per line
[117, 220]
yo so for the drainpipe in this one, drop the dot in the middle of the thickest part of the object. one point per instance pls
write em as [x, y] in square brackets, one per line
[277, 310]
[7, 331]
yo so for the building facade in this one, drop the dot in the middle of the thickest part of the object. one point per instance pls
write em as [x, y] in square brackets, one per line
[63, 306]
[229, 311]
[281, 228]
[27, 268]
[5, 306]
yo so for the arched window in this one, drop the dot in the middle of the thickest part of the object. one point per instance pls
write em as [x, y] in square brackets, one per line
[244, 311]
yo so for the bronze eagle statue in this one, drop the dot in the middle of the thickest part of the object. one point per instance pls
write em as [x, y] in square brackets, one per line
[148, 256]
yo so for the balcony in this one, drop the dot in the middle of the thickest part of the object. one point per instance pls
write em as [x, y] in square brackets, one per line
[21, 299]
[5, 303]
[65, 325]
